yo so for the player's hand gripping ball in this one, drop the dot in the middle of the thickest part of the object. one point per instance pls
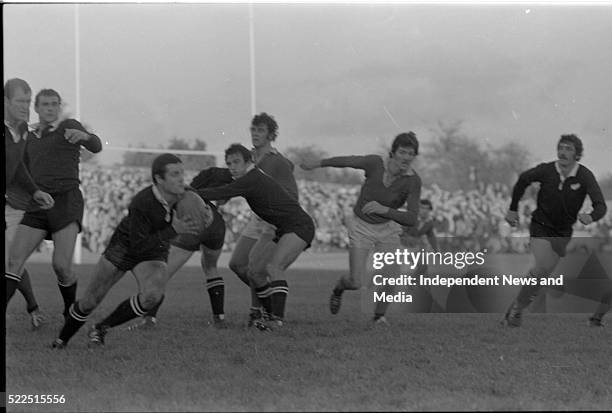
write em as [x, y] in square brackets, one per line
[192, 206]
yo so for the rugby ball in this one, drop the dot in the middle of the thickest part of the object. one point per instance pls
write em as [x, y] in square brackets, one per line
[194, 207]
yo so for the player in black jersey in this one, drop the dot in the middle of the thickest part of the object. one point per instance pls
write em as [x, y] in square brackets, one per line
[210, 243]
[273, 204]
[564, 184]
[139, 244]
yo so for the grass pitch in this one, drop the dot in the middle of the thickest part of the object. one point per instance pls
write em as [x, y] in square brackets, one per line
[431, 361]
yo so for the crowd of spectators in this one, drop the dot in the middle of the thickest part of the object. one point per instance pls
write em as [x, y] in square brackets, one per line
[470, 220]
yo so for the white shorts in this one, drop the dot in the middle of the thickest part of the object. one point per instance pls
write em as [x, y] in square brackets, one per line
[257, 227]
[379, 237]
[12, 218]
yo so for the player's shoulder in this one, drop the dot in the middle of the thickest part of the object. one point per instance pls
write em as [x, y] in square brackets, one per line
[143, 197]
[69, 123]
[277, 157]
[585, 172]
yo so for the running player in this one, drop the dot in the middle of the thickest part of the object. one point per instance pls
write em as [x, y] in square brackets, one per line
[21, 191]
[139, 244]
[564, 184]
[254, 245]
[273, 204]
[376, 225]
[210, 244]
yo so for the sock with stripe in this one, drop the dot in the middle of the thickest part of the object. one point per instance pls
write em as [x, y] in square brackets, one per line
[153, 312]
[263, 293]
[11, 281]
[126, 311]
[278, 298]
[25, 288]
[75, 318]
[68, 294]
[216, 293]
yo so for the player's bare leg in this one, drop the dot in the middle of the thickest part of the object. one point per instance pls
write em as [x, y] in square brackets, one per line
[152, 277]
[177, 258]
[545, 261]
[64, 242]
[12, 219]
[358, 260]
[104, 277]
[25, 242]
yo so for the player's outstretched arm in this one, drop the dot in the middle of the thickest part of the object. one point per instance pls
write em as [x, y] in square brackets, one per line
[240, 187]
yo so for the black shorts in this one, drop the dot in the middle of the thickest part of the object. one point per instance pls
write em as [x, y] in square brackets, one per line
[212, 238]
[303, 228]
[558, 238]
[119, 254]
[68, 208]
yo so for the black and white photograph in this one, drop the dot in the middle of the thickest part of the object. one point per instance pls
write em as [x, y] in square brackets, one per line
[307, 206]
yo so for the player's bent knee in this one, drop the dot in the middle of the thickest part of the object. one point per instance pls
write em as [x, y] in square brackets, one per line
[257, 279]
[238, 268]
[149, 299]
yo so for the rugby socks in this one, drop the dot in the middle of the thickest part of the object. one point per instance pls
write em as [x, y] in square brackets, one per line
[337, 292]
[278, 298]
[126, 311]
[68, 294]
[25, 288]
[216, 293]
[75, 318]
[263, 293]
[153, 312]
[11, 281]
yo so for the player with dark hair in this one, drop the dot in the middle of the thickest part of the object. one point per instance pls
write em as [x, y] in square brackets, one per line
[210, 243]
[255, 243]
[139, 244]
[21, 193]
[376, 226]
[52, 155]
[272, 203]
[564, 184]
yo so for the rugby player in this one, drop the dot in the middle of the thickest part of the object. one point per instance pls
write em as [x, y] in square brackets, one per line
[255, 243]
[210, 244]
[140, 244]
[376, 225]
[52, 156]
[21, 191]
[564, 184]
[273, 204]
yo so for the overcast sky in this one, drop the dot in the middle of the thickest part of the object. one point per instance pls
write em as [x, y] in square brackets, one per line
[344, 77]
